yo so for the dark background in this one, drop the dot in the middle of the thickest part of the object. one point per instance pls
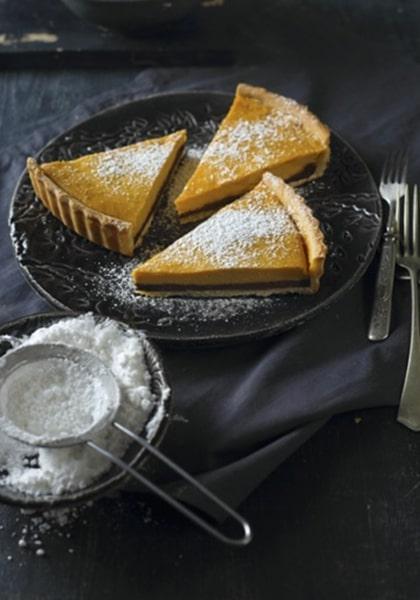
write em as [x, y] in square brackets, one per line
[341, 518]
[235, 32]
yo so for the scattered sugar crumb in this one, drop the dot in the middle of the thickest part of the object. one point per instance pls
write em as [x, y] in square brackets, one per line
[41, 527]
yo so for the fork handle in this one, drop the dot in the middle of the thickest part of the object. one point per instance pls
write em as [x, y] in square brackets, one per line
[409, 411]
[380, 320]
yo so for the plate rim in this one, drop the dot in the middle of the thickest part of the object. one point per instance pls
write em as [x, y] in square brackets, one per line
[209, 340]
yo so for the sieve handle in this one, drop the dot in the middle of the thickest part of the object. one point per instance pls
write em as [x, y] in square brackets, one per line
[182, 508]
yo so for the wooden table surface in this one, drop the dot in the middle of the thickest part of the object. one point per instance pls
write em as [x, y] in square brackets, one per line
[340, 519]
[46, 34]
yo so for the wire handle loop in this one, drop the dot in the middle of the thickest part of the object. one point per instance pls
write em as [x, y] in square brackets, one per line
[182, 508]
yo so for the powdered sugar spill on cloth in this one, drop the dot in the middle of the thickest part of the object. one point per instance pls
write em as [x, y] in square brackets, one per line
[66, 469]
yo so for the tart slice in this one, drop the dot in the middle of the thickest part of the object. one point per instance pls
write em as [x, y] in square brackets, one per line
[109, 197]
[261, 132]
[266, 242]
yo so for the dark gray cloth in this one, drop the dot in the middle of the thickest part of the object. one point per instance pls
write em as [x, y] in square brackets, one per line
[240, 411]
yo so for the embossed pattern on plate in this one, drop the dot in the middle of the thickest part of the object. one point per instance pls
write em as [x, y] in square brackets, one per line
[74, 274]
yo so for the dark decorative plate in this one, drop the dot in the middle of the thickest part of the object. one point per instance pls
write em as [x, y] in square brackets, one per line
[74, 274]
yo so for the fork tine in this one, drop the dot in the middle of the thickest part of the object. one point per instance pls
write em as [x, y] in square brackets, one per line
[398, 166]
[394, 165]
[403, 166]
[398, 206]
[415, 221]
[406, 221]
[386, 169]
[401, 180]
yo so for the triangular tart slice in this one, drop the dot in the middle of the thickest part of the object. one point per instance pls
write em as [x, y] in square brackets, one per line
[261, 132]
[109, 197]
[266, 242]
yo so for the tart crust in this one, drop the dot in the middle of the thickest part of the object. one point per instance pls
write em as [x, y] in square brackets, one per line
[97, 227]
[306, 223]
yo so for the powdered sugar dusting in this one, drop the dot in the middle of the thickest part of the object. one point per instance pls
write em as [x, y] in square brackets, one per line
[258, 142]
[233, 237]
[132, 161]
[239, 138]
[229, 239]
[117, 181]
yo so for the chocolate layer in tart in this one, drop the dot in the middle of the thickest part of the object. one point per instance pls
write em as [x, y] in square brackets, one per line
[301, 283]
[306, 172]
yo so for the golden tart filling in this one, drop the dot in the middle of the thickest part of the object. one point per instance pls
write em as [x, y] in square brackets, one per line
[266, 242]
[261, 132]
[109, 197]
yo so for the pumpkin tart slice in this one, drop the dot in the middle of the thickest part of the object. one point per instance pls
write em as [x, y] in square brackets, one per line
[109, 197]
[261, 132]
[266, 242]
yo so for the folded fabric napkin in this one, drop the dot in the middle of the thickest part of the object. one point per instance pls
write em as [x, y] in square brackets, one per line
[240, 411]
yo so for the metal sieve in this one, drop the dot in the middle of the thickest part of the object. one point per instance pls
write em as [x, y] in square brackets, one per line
[19, 357]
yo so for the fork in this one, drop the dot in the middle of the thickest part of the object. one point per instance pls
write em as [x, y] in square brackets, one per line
[409, 258]
[393, 179]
